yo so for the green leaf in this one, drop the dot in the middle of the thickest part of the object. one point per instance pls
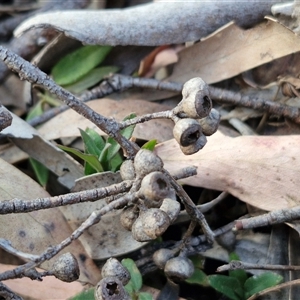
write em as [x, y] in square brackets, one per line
[97, 138]
[198, 277]
[129, 289]
[228, 286]
[126, 132]
[89, 158]
[261, 282]
[78, 63]
[85, 295]
[150, 145]
[88, 169]
[136, 278]
[115, 163]
[104, 160]
[40, 171]
[90, 79]
[240, 275]
[89, 143]
[145, 296]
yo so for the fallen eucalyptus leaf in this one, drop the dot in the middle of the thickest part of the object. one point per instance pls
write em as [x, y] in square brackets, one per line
[260, 170]
[34, 232]
[253, 47]
[63, 124]
[150, 24]
[36, 146]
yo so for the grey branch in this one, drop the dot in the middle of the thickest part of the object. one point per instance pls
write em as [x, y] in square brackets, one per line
[219, 95]
[21, 206]
[190, 207]
[94, 218]
[273, 217]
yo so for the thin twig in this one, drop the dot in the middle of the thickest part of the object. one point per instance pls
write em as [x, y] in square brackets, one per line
[183, 215]
[190, 207]
[21, 206]
[34, 75]
[7, 246]
[197, 240]
[273, 217]
[236, 265]
[93, 219]
[220, 95]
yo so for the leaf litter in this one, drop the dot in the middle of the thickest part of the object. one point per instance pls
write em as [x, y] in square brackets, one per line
[262, 171]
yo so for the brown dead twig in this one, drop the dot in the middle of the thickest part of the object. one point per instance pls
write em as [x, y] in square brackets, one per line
[119, 82]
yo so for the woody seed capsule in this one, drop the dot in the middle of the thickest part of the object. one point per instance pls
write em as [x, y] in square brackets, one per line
[196, 102]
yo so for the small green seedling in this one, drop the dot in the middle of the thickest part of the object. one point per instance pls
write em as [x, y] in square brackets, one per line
[150, 145]
[135, 284]
[85, 295]
[235, 286]
[100, 154]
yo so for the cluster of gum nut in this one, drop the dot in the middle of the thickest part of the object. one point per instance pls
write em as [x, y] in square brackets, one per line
[156, 207]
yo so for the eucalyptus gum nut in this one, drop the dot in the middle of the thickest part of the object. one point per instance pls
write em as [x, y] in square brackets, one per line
[155, 222]
[154, 187]
[110, 288]
[194, 148]
[138, 232]
[113, 268]
[127, 171]
[210, 123]
[179, 268]
[146, 162]
[128, 216]
[161, 256]
[187, 131]
[196, 102]
[171, 207]
[66, 268]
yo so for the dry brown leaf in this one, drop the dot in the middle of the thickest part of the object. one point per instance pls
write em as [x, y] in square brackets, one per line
[34, 232]
[56, 160]
[260, 170]
[49, 289]
[164, 22]
[232, 50]
[67, 123]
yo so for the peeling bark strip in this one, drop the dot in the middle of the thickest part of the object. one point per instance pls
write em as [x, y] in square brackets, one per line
[151, 24]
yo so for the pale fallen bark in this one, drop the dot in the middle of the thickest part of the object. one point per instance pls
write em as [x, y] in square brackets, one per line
[151, 24]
